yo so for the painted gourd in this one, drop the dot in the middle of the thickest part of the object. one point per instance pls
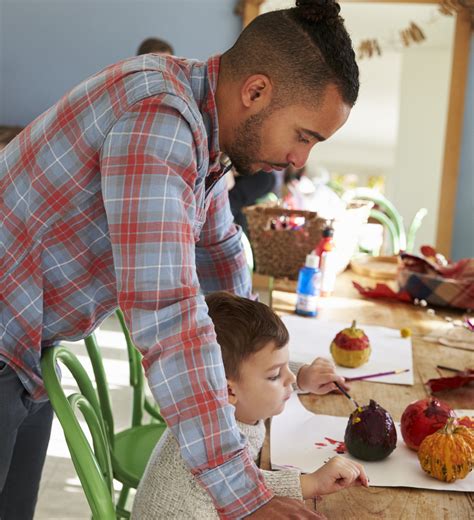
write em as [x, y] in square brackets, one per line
[466, 421]
[422, 418]
[351, 347]
[448, 454]
[370, 433]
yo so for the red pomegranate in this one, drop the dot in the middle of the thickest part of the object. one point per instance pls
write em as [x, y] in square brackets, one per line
[422, 418]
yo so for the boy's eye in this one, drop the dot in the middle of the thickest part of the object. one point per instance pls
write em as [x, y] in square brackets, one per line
[274, 378]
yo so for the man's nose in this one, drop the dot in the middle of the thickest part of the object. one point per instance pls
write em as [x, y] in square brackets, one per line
[298, 159]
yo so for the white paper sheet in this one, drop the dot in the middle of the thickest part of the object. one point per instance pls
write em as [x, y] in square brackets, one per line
[295, 432]
[310, 338]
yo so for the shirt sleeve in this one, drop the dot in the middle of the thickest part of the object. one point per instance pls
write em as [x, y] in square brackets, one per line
[220, 257]
[148, 166]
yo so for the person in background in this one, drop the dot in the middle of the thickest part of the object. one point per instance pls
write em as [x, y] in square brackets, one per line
[246, 190]
[115, 196]
[254, 346]
[290, 194]
[155, 45]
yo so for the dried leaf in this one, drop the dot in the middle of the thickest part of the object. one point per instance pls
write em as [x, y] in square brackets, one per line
[439, 384]
[382, 290]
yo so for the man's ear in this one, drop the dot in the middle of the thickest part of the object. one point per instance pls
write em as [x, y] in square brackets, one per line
[256, 92]
[232, 397]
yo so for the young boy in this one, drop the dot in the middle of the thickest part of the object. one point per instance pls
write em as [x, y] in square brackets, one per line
[253, 342]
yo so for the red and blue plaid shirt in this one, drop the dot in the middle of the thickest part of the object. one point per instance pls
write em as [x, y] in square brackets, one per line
[115, 196]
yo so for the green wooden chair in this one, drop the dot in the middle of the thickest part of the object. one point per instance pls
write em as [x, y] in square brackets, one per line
[389, 217]
[268, 197]
[93, 464]
[130, 448]
[140, 402]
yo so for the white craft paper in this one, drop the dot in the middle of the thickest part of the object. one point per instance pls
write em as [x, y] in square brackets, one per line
[295, 432]
[311, 338]
[465, 412]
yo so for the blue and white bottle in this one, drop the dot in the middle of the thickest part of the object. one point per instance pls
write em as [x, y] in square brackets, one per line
[307, 290]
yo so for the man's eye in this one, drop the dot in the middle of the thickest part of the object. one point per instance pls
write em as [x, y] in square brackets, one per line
[303, 139]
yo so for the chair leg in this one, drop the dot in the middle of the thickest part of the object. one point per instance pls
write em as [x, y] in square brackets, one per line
[122, 502]
[121, 513]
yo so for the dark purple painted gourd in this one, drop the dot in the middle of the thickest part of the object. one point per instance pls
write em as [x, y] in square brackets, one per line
[370, 433]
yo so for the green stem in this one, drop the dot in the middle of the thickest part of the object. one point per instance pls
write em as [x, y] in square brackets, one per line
[414, 226]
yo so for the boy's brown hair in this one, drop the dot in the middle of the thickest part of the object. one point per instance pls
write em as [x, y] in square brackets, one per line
[243, 327]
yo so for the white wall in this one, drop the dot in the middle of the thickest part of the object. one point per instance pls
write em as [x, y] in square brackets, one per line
[416, 179]
[366, 143]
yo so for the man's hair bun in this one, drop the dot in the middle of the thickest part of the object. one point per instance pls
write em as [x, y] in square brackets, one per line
[316, 11]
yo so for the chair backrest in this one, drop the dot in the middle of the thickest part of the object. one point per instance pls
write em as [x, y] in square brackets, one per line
[102, 385]
[93, 464]
[268, 197]
[140, 403]
[387, 215]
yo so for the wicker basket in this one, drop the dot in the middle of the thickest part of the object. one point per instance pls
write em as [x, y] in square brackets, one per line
[281, 252]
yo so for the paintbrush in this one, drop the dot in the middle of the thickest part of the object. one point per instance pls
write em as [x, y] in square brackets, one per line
[379, 374]
[346, 394]
[448, 368]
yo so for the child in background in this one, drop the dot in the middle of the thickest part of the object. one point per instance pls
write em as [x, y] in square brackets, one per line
[254, 344]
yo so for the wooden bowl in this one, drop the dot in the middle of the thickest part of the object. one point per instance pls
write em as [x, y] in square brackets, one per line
[379, 267]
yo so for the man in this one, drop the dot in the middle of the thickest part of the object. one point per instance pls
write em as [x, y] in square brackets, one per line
[115, 196]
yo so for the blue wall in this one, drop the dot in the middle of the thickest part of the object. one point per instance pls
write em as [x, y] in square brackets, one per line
[463, 236]
[51, 45]
[1, 60]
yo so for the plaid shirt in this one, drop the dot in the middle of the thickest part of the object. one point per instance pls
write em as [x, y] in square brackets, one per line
[115, 196]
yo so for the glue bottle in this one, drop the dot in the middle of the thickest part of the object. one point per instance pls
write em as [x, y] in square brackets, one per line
[307, 290]
[325, 250]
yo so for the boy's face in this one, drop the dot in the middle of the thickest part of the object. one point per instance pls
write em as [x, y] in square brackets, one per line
[264, 385]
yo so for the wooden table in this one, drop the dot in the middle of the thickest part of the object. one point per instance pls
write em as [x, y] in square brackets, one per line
[387, 503]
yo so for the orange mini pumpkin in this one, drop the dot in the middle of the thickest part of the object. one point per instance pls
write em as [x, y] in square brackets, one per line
[448, 454]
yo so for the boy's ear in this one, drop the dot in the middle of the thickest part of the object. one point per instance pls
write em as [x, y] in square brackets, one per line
[231, 392]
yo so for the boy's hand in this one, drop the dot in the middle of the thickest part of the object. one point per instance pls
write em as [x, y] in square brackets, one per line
[339, 473]
[318, 378]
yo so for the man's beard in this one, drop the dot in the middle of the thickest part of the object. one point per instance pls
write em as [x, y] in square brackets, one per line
[246, 146]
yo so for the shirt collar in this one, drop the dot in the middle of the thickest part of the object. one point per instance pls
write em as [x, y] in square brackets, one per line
[218, 161]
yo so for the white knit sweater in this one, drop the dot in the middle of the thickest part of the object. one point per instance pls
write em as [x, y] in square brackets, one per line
[168, 490]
